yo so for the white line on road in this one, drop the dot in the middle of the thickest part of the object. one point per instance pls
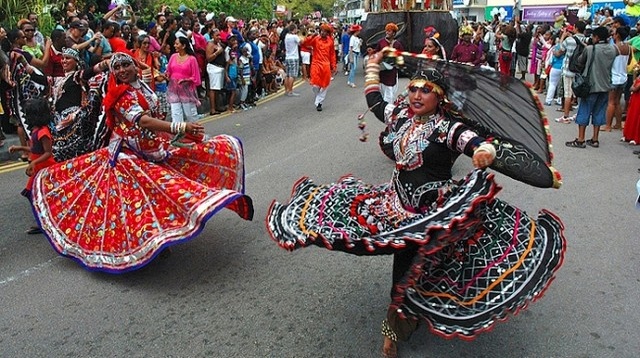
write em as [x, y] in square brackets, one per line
[27, 272]
[297, 154]
[39, 267]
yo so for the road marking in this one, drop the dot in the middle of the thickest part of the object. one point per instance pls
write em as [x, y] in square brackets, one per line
[27, 272]
[285, 159]
[12, 166]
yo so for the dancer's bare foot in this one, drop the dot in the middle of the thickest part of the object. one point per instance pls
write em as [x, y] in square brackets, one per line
[389, 348]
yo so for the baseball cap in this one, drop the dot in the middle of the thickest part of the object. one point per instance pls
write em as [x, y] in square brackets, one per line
[230, 18]
[209, 16]
[77, 25]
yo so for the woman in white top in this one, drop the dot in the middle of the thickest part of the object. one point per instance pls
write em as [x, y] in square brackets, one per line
[354, 52]
[618, 79]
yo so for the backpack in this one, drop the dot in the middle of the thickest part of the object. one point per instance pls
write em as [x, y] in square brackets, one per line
[574, 64]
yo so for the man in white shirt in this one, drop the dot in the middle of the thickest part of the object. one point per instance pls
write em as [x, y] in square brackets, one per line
[291, 59]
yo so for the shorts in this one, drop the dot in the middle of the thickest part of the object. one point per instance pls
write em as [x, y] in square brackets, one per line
[522, 63]
[216, 77]
[293, 67]
[232, 85]
[593, 109]
[305, 57]
[567, 82]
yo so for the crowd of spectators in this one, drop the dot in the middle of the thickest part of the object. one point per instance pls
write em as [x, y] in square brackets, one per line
[190, 58]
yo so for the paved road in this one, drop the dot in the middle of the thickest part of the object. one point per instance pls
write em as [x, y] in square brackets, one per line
[231, 292]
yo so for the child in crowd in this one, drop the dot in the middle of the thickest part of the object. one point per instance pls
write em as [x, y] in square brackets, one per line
[244, 64]
[231, 78]
[37, 116]
[161, 80]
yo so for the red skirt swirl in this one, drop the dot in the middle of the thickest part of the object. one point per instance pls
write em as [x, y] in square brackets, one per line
[113, 211]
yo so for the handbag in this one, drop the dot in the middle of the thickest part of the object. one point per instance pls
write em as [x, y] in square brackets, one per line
[631, 66]
[581, 86]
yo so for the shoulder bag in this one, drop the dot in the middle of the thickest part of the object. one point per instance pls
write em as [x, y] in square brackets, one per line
[581, 86]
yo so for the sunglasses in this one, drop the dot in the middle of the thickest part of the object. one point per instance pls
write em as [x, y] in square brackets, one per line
[423, 89]
[28, 30]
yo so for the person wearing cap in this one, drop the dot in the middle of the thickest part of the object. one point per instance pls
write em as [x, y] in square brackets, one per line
[389, 77]
[323, 63]
[600, 57]
[76, 41]
[230, 28]
[355, 43]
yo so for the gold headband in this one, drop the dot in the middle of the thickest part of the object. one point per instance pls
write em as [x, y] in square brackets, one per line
[421, 82]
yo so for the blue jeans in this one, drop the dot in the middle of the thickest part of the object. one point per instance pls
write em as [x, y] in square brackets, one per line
[593, 109]
[352, 71]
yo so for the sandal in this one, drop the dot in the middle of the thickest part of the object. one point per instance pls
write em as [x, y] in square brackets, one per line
[34, 230]
[24, 159]
[593, 143]
[575, 144]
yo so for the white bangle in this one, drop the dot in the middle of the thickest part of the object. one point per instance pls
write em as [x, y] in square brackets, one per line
[486, 147]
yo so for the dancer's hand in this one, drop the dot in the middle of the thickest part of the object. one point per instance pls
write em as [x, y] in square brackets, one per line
[194, 128]
[30, 169]
[483, 156]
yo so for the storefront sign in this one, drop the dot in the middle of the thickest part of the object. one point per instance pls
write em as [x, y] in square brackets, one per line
[505, 13]
[541, 13]
[616, 7]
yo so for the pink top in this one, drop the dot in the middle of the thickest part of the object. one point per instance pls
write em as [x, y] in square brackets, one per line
[186, 91]
[153, 44]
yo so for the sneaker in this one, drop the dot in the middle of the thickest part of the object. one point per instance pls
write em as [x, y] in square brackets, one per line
[558, 101]
[547, 103]
[319, 107]
[293, 94]
[346, 73]
[563, 119]
[243, 106]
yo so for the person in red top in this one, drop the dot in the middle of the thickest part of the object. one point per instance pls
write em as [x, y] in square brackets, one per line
[37, 116]
[466, 51]
[54, 67]
[389, 78]
[323, 63]
[111, 31]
